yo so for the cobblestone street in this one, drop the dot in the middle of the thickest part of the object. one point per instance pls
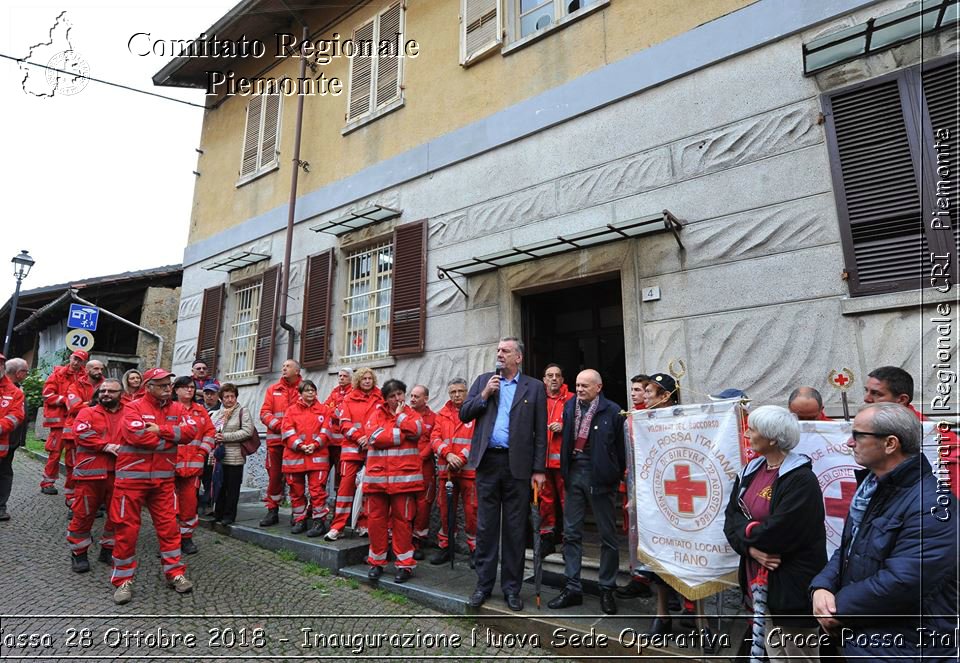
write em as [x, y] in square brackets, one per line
[248, 603]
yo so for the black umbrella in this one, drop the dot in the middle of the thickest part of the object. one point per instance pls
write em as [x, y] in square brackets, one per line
[451, 516]
[537, 561]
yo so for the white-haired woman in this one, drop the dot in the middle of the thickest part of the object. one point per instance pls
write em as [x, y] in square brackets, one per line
[775, 521]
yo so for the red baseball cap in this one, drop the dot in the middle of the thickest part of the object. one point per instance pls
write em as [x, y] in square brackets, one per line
[156, 374]
[82, 354]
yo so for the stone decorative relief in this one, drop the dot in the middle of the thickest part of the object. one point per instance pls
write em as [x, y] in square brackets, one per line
[484, 290]
[500, 214]
[442, 229]
[190, 306]
[615, 180]
[296, 274]
[662, 343]
[183, 353]
[774, 132]
[443, 297]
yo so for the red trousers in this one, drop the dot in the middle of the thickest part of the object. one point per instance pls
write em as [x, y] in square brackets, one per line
[421, 522]
[316, 482]
[186, 489]
[345, 494]
[274, 464]
[396, 513]
[69, 459]
[54, 447]
[550, 496]
[465, 491]
[88, 497]
[161, 500]
[334, 451]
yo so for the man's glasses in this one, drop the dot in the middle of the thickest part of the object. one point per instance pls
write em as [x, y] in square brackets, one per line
[858, 434]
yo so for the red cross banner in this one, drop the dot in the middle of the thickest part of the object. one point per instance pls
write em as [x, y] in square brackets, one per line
[825, 442]
[685, 460]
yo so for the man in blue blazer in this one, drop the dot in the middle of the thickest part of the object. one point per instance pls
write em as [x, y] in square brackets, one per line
[508, 451]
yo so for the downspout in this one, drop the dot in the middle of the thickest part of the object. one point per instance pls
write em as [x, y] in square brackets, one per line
[80, 300]
[292, 207]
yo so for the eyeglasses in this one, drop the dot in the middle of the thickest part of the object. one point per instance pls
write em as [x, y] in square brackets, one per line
[857, 434]
[109, 391]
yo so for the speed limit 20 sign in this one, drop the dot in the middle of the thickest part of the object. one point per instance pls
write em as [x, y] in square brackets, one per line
[79, 339]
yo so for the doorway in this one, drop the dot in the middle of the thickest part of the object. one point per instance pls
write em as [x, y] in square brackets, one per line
[578, 327]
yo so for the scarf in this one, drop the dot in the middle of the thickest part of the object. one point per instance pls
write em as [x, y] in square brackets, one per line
[858, 506]
[582, 423]
[225, 414]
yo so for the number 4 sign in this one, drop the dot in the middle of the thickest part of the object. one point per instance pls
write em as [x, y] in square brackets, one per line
[79, 339]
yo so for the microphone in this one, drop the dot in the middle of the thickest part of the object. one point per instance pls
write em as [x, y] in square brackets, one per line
[499, 370]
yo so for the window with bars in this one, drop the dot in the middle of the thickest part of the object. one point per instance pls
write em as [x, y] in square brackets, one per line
[367, 305]
[243, 331]
[888, 139]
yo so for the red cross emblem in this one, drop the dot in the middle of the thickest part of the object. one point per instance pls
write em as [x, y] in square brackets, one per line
[684, 488]
[841, 379]
[838, 508]
[358, 341]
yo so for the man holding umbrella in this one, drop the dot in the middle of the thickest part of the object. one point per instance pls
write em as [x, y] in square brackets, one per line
[592, 462]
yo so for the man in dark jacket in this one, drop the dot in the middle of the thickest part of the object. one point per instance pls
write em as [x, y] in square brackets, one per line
[592, 461]
[891, 587]
[509, 453]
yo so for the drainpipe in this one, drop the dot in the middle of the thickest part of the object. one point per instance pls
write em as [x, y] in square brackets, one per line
[292, 207]
[80, 300]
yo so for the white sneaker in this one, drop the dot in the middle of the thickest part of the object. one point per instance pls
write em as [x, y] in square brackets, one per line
[332, 534]
[362, 531]
[180, 584]
[124, 593]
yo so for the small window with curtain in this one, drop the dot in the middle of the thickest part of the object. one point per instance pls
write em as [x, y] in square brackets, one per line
[243, 331]
[367, 304]
[532, 16]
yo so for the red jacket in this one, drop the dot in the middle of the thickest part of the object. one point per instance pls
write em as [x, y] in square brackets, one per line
[129, 398]
[278, 398]
[949, 453]
[12, 412]
[55, 396]
[192, 457]
[334, 401]
[147, 456]
[450, 435]
[393, 460]
[79, 395]
[95, 428]
[356, 408]
[301, 425]
[429, 418]
[555, 415]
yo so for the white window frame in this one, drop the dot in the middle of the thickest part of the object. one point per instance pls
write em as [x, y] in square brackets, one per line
[377, 109]
[561, 18]
[243, 330]
[264, 165]
[362, 313]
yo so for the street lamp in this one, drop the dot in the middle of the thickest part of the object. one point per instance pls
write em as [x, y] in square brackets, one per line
[22, 262]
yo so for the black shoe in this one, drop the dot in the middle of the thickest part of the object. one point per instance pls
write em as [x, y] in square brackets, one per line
[608, 604]
[403, 575]
[101, 512]
[687, 619]
[472, 560]
[49, 490]
[661, 626]
[105, 556]
[79, 563]
[635, 589]
[566, 599]
[188, 547]
[477, 598]
[4, 515]
[300, 527]
[319, 528]
[227, 521]
[514, 602]
[418, 555]
[272, 518]
[375, 572]
[442, 556]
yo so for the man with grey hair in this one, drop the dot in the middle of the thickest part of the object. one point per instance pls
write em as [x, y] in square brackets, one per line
[509, 453]
[891, 586]
[12, 429]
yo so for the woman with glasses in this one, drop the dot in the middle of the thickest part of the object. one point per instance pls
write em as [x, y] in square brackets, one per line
[774, 520]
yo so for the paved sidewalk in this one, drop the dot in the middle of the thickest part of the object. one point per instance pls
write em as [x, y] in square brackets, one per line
[247, 602]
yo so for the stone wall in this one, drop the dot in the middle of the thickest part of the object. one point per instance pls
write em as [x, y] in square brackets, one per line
[159, 314]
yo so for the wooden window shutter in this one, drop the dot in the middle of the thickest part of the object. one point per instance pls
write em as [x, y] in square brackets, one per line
[940, 94]
[269, 141]
[873, 141]
[266, 324]
[211, 315]
[315, 333]
[408, 305]
[361, 76]
[251, 138]
[388, 66]
[480, 27]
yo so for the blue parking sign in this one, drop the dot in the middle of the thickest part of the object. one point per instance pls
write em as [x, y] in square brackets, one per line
[83, 317]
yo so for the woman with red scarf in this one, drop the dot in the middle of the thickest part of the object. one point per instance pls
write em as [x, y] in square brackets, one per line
[394, 477]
